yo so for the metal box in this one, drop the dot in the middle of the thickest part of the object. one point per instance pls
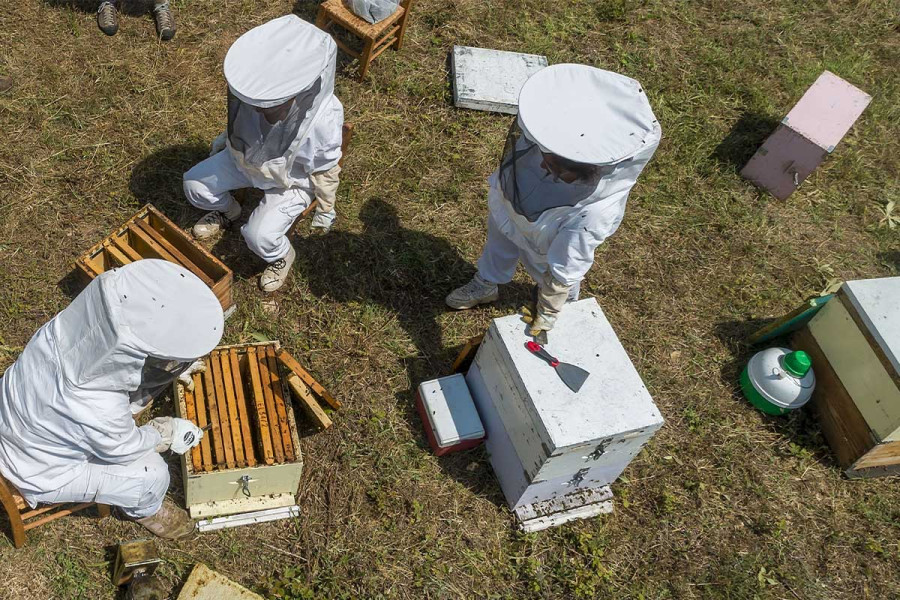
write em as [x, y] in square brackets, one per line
[250, 457]
[854, 342]
[548, 444]
[810, 131]
[491, 79]
[448, 415]
[149, 234]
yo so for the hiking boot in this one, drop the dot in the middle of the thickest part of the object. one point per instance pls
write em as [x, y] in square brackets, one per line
[165, 22]
[215, 221]
[478, 291]
[171, 522]
[108, 18]
[276, 273]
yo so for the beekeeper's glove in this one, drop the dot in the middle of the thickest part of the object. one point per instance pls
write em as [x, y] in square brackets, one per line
[178, 435]
[185, 379]
[218, 144]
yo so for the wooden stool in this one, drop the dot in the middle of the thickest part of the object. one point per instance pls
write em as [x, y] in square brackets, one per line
[22, 517]
[376, 37]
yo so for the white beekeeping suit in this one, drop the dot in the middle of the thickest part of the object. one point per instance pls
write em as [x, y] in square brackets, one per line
[66, 426]
[581, 138]
[283, 137]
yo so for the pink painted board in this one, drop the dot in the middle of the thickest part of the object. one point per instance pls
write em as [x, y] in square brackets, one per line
[827, 110]
[784, 154]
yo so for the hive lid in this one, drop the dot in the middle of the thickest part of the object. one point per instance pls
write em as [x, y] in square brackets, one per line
[451, 411]
[876, 302]
[613, 400]
[827, 110]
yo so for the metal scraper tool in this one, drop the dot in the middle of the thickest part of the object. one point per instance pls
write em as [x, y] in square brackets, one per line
[574, 377]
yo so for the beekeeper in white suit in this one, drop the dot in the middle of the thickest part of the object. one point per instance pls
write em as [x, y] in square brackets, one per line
[66, 427]
[283, 137]
[581, 138]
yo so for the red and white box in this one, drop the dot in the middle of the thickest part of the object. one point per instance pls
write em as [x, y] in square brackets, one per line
[448, 414]
[808, 134]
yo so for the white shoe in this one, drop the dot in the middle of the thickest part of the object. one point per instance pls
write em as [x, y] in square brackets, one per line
[478, 291]
[215, 221]
[276, 273]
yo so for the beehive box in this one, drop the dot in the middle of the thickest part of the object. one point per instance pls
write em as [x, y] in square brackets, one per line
[809, 132]
[491, 80]
[555, 451]
[854, 343]
[149, 234]
[250, 457]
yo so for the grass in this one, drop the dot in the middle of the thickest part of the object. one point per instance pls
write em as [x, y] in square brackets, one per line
[724, 503]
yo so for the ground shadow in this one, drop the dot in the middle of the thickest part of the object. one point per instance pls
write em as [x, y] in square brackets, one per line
[745, 137]
[131, 8]
[891, 260]
[799, 426]
[408, 273]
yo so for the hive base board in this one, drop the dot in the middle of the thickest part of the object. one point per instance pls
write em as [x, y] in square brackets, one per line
[236, 506]
[578, 505]
[249, 518]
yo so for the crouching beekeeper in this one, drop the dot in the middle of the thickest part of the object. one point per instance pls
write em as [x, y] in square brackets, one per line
[66, 427]
[581, 138]
[283, 137]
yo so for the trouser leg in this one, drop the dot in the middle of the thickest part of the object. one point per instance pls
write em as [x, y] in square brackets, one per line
[266, 230]
[208, 184]
[499, 257]
[325, 185]
[138, 488]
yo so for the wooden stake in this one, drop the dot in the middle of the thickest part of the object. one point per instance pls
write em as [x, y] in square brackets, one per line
[243, 412]
[308, 403]
[262, 421]
[291, 363]
[266, 378]
[278, 391]
[205, 451]
[233, 422]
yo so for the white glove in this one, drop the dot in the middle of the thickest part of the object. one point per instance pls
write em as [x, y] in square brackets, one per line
[185, 379]
[218, 144]
[178, 435]
[552, 296]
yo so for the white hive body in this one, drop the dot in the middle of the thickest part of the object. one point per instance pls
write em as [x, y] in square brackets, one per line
[548, 444]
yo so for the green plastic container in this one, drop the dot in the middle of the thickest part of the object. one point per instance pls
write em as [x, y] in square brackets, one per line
[777, 381]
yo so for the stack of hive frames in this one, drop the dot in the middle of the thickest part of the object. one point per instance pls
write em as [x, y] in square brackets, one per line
[149, 234]
[250, 457]
[242, 395]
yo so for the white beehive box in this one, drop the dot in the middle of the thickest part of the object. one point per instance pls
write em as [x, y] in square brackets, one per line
[548, 444]
[490, 80]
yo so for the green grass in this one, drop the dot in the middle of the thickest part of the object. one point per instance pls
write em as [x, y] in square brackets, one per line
[724, 503]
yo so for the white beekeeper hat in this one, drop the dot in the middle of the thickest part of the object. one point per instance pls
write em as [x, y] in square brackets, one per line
[585, 114]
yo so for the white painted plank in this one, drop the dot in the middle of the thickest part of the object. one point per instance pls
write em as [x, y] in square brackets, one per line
[877, 301]
[490, 80]
[206, 584]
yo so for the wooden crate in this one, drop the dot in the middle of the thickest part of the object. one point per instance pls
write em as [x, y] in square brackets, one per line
[250, 457]
[149, 234]
[853, 342]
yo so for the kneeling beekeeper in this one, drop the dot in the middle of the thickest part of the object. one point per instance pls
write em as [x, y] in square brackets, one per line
[66, 428]
[581, 138]
[283, 137]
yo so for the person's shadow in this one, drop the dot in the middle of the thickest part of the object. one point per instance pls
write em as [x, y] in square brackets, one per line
[408, 273]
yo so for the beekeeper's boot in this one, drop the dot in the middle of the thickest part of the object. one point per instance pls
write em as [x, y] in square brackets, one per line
[215, 221]
[276, 273]
[108, 18]
[170, 522]
[165, 21]
[478, 291]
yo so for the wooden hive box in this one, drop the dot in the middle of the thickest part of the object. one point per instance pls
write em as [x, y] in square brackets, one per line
[149, 234]
[806, 135]
[854, 343]
[555, 451]
[250, 457]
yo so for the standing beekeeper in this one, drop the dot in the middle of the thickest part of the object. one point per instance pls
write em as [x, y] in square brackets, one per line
[581, 138]
[66, 427]
[283, 137]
